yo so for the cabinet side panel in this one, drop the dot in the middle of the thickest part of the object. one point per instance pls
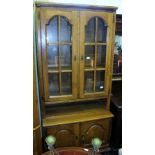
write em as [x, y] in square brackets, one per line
[111, 59]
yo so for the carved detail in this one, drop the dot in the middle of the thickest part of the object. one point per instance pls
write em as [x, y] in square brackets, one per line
[64, 138]
[93, 131]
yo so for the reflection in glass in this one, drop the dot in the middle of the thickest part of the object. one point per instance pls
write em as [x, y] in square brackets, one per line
[52, 30]
[66, 56]
[90, 31]
[89, 56]
[53, 84]
[100, 75]
[102, 31]
[101, 56]
[53, 59]
[65, 30]
[117, 65]
[66, 83]
[89, 81]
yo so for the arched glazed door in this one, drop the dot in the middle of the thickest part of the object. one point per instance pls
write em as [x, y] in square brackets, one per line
[95, 54]
[59, 44]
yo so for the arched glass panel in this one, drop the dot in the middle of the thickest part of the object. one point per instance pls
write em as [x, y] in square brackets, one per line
[65, 30]
[96, 30]
[102, 31]
[90, 31]
[52, 30]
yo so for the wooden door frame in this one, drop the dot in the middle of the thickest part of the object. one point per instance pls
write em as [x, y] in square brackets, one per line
[46, 15]
[85, 16]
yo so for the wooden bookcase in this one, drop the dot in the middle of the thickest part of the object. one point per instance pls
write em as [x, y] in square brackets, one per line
[75, 47]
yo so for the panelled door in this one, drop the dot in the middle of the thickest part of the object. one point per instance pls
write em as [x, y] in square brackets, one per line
[95, 52]
[59, 53]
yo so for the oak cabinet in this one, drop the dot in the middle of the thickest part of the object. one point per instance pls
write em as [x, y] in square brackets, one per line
[75, 48]
[76, 51]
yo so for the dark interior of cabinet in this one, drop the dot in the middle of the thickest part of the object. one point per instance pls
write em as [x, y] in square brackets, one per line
[117, 64]
[117, 88]
[119, 24]
[116, 98]
[76, 112]
[75, 107]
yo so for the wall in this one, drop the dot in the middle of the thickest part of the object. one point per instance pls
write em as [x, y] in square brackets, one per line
[117, 3]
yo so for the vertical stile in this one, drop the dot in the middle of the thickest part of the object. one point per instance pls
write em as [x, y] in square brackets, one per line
[59, 55]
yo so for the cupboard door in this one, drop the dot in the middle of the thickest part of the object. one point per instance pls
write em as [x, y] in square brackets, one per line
[59, 52]
[65, 135]
[95, 52]
[98, 128]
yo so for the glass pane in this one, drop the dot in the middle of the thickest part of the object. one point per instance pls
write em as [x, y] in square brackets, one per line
[52, 30]
[66, 56]
[53, 84]
[53, 59]
[89, 56]
[89, 81]
[100, 75]
[102, 31]
[101, 56]
[66, 83]
[65, 30]
[90, 31]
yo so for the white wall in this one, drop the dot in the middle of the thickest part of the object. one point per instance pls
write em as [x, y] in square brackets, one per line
[117, 3]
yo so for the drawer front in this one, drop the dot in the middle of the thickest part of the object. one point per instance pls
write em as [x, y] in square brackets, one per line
[92, 129]
[65, 135]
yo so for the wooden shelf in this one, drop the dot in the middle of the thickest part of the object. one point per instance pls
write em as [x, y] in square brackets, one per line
[74, 114]
[92, 69]
[95, 44]
[117, 79]
[61, 43]
[57, 71]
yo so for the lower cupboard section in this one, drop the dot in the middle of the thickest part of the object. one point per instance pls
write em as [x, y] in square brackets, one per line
[81, 134]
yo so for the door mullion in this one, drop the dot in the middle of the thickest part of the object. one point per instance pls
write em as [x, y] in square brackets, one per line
[60, 85]
[96, 32]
